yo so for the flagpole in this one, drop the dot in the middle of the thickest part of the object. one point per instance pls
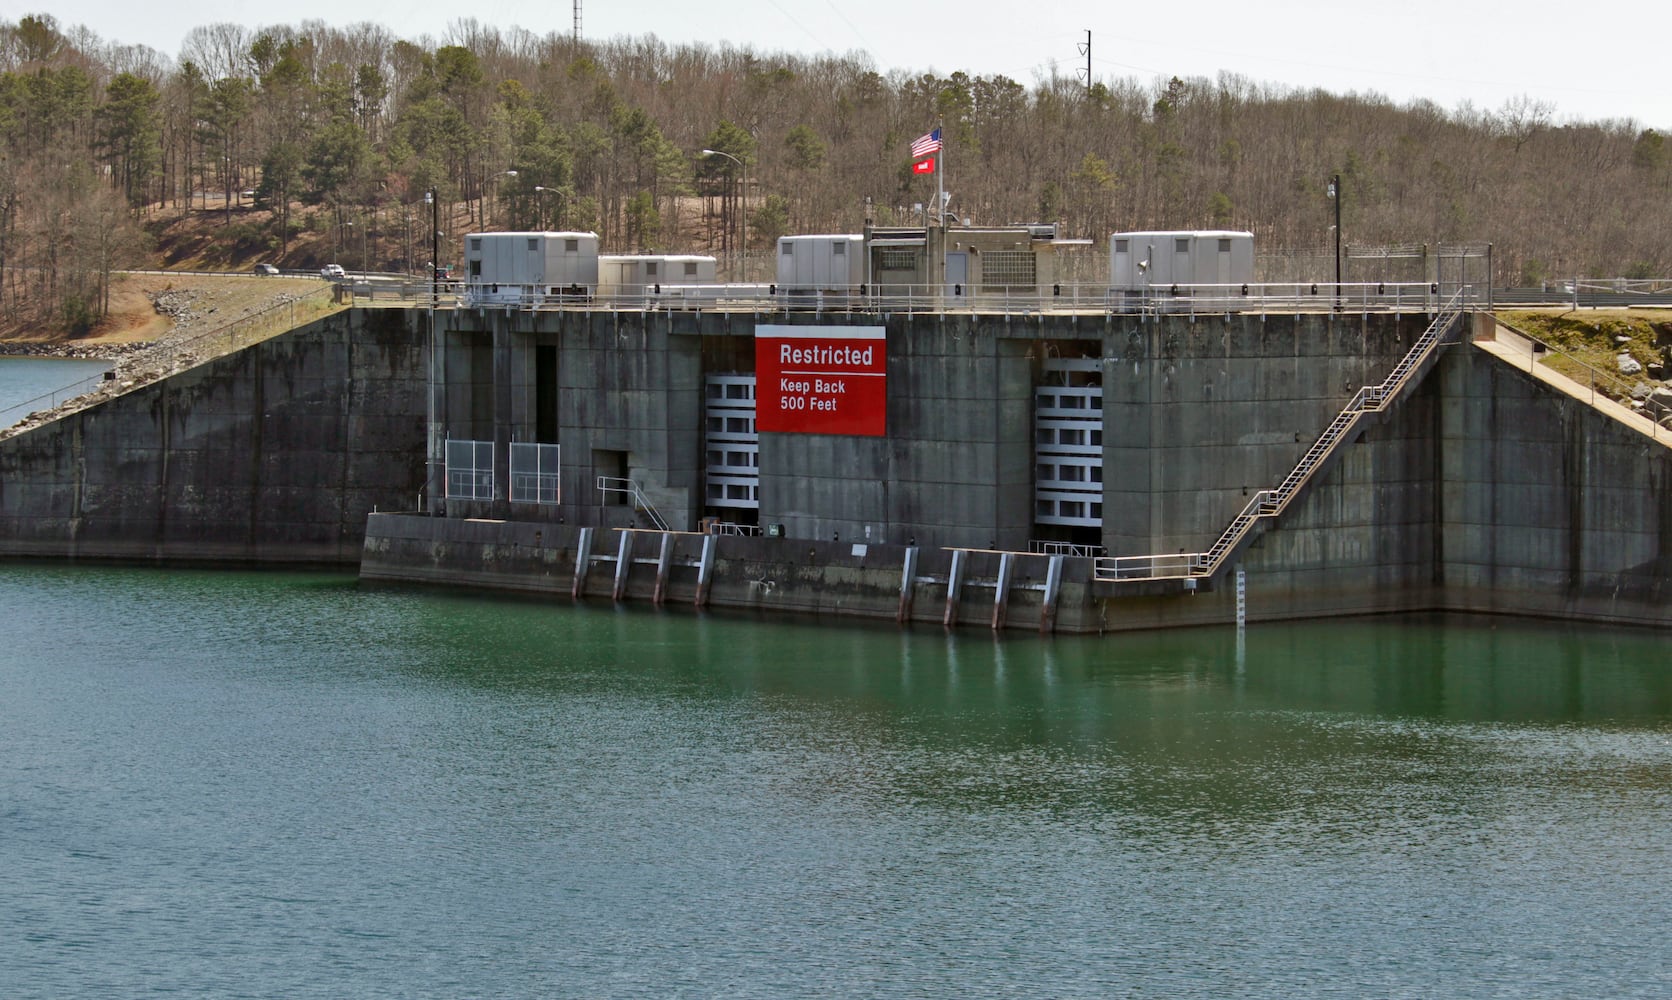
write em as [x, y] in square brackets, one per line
[940, 173]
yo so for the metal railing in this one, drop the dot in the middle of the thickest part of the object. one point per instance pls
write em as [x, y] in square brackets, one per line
[615, 484]
[163, 359]
[1181, 299]
[714, 527]
[1065, 549]
[1610, 386]
[1272, 502]
[45, 402]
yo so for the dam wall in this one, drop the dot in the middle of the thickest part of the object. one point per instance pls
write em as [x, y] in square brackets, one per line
[1483, 489]
[1191, 411]
[1190, 414]
[271, 455]
[1546, 504]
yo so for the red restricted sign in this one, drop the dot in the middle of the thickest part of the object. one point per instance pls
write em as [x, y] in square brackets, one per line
[821, 379]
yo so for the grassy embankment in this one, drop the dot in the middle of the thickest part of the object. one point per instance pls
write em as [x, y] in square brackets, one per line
[1590, 340]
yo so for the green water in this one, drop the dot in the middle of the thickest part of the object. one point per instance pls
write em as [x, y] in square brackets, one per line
[287, 786]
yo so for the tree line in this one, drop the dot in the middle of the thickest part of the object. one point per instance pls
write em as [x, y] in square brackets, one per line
[334, 132]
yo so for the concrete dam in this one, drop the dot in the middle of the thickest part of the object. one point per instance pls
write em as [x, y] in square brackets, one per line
[1041, 470]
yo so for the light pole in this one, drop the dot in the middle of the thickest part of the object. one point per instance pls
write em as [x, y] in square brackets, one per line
[435, 245]
[500, 187]
[1335, 196]
[541, 203]
[432, 481]
[743, 205]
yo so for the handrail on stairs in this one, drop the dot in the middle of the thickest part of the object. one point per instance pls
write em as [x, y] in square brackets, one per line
[1271, 502]
[616, 484]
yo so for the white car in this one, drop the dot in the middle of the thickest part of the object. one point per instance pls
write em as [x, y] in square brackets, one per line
[334, 272]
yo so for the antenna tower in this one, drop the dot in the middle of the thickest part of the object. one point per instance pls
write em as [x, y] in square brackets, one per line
[577, 22]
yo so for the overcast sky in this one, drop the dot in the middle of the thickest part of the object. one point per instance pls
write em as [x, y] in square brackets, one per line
[1590, 61]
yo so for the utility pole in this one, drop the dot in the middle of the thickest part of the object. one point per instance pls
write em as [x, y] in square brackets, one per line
[1085, 50]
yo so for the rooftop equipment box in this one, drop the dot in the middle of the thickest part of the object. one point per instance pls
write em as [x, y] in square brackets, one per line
[1160, 260]
[526, 267]
[830, 263]
[634, 276]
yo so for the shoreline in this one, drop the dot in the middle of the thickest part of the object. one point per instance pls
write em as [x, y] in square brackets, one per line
[113, 353]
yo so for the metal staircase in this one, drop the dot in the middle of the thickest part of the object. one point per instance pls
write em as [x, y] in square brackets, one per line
[1272, 502]
[613, 484]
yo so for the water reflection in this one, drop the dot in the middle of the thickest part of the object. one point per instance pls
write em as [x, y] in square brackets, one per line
[1351, 727]
[467, 796]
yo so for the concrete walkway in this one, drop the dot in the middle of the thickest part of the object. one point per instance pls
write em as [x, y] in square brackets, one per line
[1516, 350]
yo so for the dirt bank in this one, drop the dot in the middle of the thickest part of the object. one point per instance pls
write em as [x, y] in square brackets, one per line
[146, 309]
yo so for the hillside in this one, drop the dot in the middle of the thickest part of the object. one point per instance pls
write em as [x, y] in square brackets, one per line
[346, 133]
[148, 309]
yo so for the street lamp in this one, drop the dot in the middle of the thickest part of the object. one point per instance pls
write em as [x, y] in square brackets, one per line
[432, 458]
[498, 188]
[1335, 196]
[351, 225]
[540, 189]
[348, 241]
[435, 244]
[742, 202]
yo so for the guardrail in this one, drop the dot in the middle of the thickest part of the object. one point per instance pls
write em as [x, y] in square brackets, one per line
[1078, 550]
[1596, 380]
[732, 528]
[10, 415]
[1181, 299]
[1591, 293]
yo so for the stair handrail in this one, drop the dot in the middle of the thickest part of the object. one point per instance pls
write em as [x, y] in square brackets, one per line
[1269, 503]
[618, 484]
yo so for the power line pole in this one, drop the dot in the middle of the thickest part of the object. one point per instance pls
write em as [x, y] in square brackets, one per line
[1085, 50]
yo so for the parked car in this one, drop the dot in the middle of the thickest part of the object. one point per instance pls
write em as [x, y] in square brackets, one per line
[266, 269]
[334, 272]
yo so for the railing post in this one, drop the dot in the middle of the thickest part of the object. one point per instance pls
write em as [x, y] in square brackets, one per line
[1001, 596]
[1053, 586]
[705, 569]
[623, 564]
[954, 583]
[908, 570]
[583, 561]
[663, 560]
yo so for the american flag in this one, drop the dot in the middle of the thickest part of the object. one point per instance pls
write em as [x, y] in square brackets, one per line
[926, 144]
